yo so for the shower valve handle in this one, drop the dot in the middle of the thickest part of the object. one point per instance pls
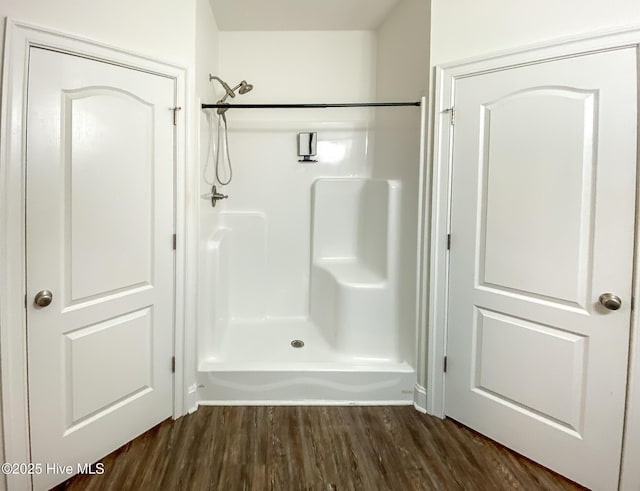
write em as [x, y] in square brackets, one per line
[215, 196]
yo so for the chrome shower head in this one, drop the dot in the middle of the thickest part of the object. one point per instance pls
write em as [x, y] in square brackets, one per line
[245, 87]
[226, 87]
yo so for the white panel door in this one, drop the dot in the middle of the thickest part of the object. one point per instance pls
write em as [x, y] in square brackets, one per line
[542, 223]
[100, 163]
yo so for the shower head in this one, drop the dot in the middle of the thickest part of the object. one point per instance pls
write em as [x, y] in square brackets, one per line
[226, 87]
[242, 88]
[245, 87]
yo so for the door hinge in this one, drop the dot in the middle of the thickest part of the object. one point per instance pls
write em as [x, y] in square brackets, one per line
[175, 115]
[444, 365]
[448, 242]
[451, 110]
[175, 241]
[173, 364]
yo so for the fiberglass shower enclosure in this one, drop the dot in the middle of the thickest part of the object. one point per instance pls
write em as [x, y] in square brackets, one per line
[301, 273]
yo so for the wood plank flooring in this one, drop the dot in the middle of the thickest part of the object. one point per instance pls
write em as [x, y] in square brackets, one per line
[315, 448]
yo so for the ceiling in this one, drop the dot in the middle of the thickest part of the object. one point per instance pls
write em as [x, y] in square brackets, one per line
[300, 15]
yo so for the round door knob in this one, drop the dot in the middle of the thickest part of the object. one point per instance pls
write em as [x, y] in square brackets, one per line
[610, 301]
[43, 298]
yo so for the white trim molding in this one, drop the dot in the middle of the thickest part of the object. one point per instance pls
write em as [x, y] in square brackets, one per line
[19, 38]
[422, 245]
[445, 85]
[420, 398]
[629, 469]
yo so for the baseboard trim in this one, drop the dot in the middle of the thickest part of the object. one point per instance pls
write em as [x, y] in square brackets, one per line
[192, 399]
[420, 398]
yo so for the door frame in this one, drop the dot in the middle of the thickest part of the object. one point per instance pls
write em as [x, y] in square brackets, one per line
[20, 37]
[438, 282]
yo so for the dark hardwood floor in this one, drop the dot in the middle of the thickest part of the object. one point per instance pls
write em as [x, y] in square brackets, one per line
[315, 448]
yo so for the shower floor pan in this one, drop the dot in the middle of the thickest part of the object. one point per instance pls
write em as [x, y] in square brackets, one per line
[259, 365]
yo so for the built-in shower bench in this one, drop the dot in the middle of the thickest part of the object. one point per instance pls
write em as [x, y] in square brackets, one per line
[352, 272]
[353, 284]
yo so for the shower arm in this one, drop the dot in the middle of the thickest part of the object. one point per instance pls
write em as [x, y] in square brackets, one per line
[229, 91]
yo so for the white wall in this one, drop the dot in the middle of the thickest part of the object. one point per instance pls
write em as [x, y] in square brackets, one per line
[468, 28]
[207, 50]
[207, 54]
[158, 28]
[402, 75]
[300, 66]
[291, 67]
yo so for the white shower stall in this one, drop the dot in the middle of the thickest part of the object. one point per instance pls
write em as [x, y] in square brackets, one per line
[308, 271]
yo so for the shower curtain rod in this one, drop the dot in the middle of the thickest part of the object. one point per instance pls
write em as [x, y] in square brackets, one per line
[308, 106]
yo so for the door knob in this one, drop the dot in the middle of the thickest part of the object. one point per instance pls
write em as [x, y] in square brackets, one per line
[610, 301]
[43, 298]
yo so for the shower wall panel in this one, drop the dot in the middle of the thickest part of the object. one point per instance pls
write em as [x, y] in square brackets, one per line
[267, 177]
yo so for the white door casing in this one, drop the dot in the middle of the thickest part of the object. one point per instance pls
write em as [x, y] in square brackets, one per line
[543, 161]
[100, 164]
[20, 39]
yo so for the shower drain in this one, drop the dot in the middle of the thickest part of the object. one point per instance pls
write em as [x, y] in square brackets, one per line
[296, 343]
